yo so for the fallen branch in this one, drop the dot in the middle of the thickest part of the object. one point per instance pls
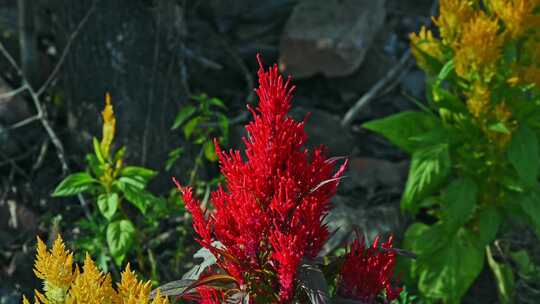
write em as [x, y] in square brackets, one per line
[374, 91]
[41, 114]
[378, 87]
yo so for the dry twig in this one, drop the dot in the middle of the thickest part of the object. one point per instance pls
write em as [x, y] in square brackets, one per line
[379, 86]
[41, 114]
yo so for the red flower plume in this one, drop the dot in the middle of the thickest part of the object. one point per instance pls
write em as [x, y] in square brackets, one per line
[277, 194]
[366, 272]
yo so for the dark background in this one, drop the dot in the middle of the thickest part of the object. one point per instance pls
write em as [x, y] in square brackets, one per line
[152, 55]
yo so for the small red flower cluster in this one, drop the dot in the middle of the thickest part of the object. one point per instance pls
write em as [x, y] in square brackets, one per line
[366, 272]
[270, 216]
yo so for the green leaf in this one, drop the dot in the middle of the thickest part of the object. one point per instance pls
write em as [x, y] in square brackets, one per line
[119, 154]
[429, 169]
[108, 204]
[74, 184]
[401, 127]
[499, 127]
[209, 151]
[531, 205]
[120, 236]
[173, 157]
[135, 181]
[182, 115]
[460, 201]
[503, 276]
[135, 194]
[224, 125]
[446, 70]
[523, 154]
[444, 99]
[217, 102]
[524, 263]
[96, 168]
[97, 150]
[138, 173]
[510, 52]
[422, 239]
[448, 273]
[190, 126]
[489, 222]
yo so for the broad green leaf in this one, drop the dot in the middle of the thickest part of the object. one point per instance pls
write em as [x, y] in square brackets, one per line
[417, 239]
[503, 276]
[120, 236]
[460, 202]
[489, 222]
[431, 240]
[138, 173]
[523, 154]
[182, 115]
[435, 136]
[135, 181]
[74, 184]
[531, 205]
[108, 204]
[209, 151]
[137, 196]
[401, 127]
[429, 169]
[448, 273]
[190, 126]
[96, 168]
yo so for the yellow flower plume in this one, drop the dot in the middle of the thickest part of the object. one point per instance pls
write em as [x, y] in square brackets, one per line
[452, 15]
[64, 285]
[479, 47]
[478, 100]
[109, 126]
[55, 268]
[91, 286]
[518, 15]
[423, 44]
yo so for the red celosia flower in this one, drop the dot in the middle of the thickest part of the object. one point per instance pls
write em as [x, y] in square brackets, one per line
[366, 272]
[270, 215]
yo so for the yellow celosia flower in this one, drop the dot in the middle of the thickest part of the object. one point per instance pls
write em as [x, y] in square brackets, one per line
[55, 268]
[479, 47]
[132, 291]
[109, 126]
[63, 285]
[422, 43]
[517, 15]
[91, 286]
[478, 100]
[452, 15]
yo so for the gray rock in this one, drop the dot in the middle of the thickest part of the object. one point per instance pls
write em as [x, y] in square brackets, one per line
[325, 128]
[329, 36]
